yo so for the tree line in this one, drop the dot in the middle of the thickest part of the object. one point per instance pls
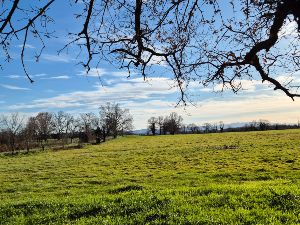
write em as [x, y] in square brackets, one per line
[20, 133]
[173, 124]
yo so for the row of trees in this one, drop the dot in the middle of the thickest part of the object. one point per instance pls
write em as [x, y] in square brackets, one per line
[262, 125]
[170, 124]
[173, 124]
[18, 132]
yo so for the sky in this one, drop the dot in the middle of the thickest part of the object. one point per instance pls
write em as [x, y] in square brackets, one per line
[61, 84]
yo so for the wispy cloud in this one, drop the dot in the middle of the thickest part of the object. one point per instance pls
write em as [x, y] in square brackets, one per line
[14, 76]
[135, 89]
[98, 72]
[26, 46]
[57, 58]
[12, 87]
[39, 75]
[62, 77]
[245, 86]
[93, 72]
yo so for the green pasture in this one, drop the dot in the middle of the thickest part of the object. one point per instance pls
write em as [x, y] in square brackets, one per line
[227, 178]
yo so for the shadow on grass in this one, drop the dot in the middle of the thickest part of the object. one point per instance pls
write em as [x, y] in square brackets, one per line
[126, 188]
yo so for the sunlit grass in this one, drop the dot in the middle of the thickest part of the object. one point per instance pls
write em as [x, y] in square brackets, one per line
[229, 178]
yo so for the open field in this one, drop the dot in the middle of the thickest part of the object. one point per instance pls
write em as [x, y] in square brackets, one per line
[229, 178]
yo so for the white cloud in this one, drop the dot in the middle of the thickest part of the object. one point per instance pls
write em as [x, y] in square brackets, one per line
[39, 75]
[57, 58]
[121, 74]
[98, 72]
[289, 29]
[245, 86]
[26, 46]
[93, 72]
[12, 87]
[135, 89]
[14, 76]
[62, 77]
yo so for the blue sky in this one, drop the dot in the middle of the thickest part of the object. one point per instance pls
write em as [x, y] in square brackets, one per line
[61, 84]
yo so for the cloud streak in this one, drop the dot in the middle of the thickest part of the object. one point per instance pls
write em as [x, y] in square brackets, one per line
[62, 77]
[56, 58]
[134, 90]
[16, 88]
[98, 72]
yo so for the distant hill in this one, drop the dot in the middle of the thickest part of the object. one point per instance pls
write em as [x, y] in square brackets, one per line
[141, 131]
[235, 125]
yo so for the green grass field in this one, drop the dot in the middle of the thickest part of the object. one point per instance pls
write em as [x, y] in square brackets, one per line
[229, 178]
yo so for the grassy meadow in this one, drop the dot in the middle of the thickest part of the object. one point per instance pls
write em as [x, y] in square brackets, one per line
[228, 178]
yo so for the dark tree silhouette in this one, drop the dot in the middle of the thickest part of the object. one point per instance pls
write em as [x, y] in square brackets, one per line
[173, 123]
[87, 126]
[12, 124]
[206, 41]
[114, 120]
[221, 126]
[30, 132]
[152, 122]
[160, 122]
[193, 128]
[44, 126]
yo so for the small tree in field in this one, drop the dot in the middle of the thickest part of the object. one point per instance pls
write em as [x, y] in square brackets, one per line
[30, 132]
[12, 124]
[114, 120]
[160, 123]
[221, 126]
[194, 128]
[172, 123]
[152, 122]
[44, 126]
[87, 122]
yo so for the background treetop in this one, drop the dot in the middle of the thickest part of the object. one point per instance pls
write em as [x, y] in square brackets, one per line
[210, 42]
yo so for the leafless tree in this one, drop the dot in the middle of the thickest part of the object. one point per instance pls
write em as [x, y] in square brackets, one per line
[207, 127]
[152, 122]
[215, 127]
[59, 123]
[126, 123]
[74, 127]
[62, 122]
[114, 120]
[68, 125]
[263, 124]
[30, 132]
[87, 126]
[44, 126]
[253, 125]
[160, 123]
[172, 123]
[194, 128]
[221, 126]
[12, 124]
[210, 42]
